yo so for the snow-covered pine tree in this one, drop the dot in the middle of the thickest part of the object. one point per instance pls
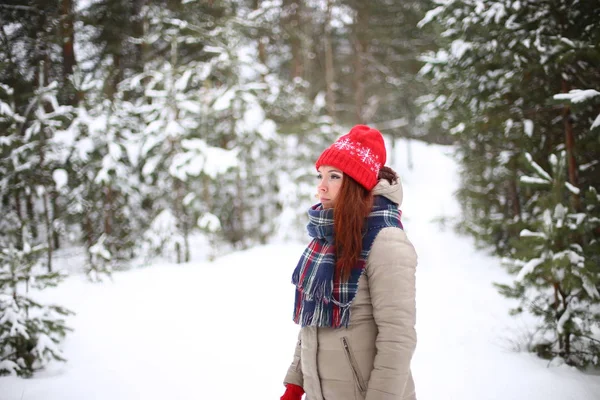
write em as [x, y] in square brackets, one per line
[180, 153]
[556, 263]
[30, 332]
[498, 66]
[28, 162]
[43, 119]
[101, 200]
[11, 224]
[248, 204]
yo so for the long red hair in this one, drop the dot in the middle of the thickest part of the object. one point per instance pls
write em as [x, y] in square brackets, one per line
[352, 205]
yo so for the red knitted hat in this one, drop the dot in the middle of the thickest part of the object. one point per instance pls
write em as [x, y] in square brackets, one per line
[360, 154]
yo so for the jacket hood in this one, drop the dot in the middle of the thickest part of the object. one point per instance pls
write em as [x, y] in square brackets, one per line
[392, 192]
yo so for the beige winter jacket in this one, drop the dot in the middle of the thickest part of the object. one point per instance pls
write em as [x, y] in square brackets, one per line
[370, 360]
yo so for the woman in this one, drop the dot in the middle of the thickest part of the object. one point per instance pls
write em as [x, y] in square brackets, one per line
[355, 282]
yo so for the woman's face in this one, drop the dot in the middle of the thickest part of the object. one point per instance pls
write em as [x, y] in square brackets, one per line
[330, 181]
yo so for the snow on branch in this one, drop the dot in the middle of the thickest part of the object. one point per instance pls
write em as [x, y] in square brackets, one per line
[577, 95]
[528, 233]
[537, 168]
[596, 122]
[529, 267]
[430, 16]
[572, 189]
[533, 180]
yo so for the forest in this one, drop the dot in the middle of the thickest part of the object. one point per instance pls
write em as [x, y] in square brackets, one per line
[129, 127]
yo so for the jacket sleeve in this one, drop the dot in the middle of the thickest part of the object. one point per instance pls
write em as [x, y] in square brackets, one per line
[294, 374]
[391, 274]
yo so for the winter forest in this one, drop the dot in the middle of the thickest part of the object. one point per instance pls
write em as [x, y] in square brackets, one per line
[141, 135]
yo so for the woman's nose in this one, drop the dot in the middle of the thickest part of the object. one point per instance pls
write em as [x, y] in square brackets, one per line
[322, 187]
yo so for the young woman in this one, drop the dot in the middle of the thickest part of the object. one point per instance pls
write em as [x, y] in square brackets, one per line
[355, 282]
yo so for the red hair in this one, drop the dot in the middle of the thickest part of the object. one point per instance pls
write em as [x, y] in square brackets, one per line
[352, 205]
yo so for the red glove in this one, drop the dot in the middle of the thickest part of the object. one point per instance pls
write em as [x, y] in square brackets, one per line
[292, 392]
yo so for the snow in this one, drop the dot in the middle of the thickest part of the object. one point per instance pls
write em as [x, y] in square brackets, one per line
[528, 233]
[528, 125]
[532, 179]
[596, 122]
[268, 129]
[563, 319]
[60, 178]
[574, 258]
[209, 222]
[457, 129]
[590, 288]
[577, 95]
[200, 157]
[254, 116]
[224, 101]
[537, 167]
[458, 48]
[223, 329]
[529, 267]
[572, 189]
[430, 16]
[98, 249]
[584, 167]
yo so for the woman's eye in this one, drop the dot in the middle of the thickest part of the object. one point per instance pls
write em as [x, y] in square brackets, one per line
[319, 176]
[335, 176]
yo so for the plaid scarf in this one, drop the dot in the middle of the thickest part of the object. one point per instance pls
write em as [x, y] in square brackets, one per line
[324, 300]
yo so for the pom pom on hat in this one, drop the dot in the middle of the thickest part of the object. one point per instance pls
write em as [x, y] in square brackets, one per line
[360, 154]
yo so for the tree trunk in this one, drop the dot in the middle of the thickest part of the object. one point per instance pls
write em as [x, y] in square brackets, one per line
[31, 216]
[262, 55]
[89, 236]
[42, 77]
[108, 210]
[139, 30]
[186, 236]
[359, 45]
[292, 24]
[570, 146]
[108, 219]
[49, 229]
[240, 210]
[329, 68]
[513, 190]
[68, 50]
[117, 76]
[55, 214]
[20, 216]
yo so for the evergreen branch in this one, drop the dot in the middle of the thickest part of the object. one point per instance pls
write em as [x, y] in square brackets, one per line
[590, 338]
[22, 8]
[8, 356]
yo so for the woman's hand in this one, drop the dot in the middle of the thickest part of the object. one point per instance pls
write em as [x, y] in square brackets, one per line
[292, 392]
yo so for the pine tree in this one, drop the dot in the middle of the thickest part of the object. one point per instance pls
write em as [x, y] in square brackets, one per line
[103, 193]
[494, 78]
[30, 332]
[556, 262]
[178, 144]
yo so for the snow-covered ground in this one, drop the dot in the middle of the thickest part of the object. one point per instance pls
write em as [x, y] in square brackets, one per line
[223, 330]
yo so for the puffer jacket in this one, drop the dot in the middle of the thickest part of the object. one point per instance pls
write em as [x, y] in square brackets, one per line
[369, 360]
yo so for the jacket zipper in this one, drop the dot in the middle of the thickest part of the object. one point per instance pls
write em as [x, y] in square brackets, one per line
[353, 365]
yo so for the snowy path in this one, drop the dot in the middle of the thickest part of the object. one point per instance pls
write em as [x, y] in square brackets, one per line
[224, 331]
